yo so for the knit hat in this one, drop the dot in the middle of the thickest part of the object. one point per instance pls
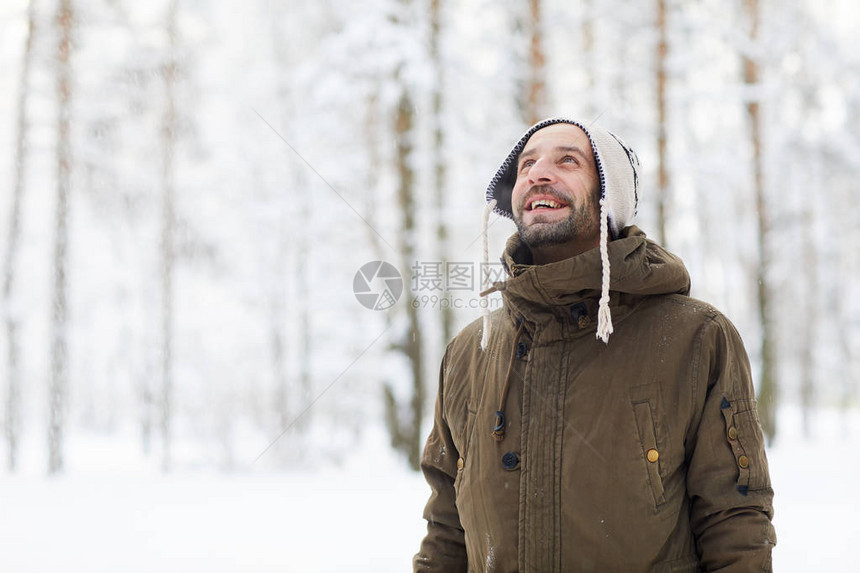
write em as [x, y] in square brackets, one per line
[617, 167]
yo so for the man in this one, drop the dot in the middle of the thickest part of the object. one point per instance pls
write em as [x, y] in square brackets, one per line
[609, 424]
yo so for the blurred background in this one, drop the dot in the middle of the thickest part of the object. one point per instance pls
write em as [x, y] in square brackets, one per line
[190, 188]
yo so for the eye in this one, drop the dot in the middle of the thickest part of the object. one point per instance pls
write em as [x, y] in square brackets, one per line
[527, 163]
[569, 159]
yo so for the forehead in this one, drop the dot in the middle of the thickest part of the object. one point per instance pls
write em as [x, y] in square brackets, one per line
[558, 135]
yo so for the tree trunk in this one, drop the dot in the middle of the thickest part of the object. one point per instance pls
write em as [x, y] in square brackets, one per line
[589, 60]
[808, 329]
[277, 327]
[662, 128]
[406, 436]
[439, 164]
[294, 384]
[11, 310]
[147, 405]
[371, 146]
[59, 337]
[168, 222]
[277, 293]
[768, 396]
[536, 86]
[305, 334]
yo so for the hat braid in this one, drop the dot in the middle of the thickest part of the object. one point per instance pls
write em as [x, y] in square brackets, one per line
[604, 317]
[485, 307]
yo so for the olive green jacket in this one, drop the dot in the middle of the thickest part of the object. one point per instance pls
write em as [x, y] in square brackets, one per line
[643, 454]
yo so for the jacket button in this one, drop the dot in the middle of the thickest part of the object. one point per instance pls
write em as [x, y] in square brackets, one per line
[578, 311]
[460, 463]
[653, 455]
[743, 461]
[522, 349]
[733, 433]
[510, 461]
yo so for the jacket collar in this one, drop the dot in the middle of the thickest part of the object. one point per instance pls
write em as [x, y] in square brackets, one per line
[567, 291]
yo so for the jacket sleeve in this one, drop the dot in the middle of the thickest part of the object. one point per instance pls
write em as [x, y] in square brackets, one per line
[443, 548]
[727, 479]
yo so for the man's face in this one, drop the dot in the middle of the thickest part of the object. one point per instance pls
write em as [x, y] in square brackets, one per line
[555, 198]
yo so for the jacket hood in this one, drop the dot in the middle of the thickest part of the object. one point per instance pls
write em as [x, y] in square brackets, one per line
[639, 267]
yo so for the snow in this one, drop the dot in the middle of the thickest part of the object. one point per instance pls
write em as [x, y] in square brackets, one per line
[816, 501]
[115, 512]
[321, 76]
[213, 523]
[121, 514]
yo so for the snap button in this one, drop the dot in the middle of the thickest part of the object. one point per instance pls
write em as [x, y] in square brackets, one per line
[578, 310]
[510, 461]
[652, 455]
[743, 461]
[522, 349]
[460, 463]
[733, 433]
[579, 314]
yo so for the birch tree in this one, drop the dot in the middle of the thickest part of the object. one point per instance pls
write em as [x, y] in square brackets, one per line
[767, 398]
[406, 430]
[662, 124]
[439, 163]
[809, 256]
[535, 88]
[406, 436]
[11, 310]
[59, 324]
[168, 223]
[276, 315]
[589, 59]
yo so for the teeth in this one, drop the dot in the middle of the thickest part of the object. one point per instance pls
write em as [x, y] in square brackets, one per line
[545, 203]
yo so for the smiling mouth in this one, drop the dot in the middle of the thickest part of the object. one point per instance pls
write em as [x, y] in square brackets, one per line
[549, 204]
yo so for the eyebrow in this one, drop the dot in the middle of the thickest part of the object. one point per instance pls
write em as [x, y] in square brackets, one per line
[564, 148]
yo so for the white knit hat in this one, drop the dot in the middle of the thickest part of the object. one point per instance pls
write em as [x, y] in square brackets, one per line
[617, 167]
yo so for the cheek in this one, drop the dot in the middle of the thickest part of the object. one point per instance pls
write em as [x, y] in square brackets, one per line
[516, 197]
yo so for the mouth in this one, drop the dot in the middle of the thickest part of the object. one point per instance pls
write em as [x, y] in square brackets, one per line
[544, 204]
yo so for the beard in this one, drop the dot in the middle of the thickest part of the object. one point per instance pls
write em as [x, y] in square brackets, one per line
[582, 221]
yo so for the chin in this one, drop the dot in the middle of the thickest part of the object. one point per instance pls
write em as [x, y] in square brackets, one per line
[544, 234]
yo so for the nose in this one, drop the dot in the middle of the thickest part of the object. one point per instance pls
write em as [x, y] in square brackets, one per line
[541, 172]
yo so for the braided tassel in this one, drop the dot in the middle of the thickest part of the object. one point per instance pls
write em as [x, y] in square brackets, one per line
[604, 317]
[485, 307]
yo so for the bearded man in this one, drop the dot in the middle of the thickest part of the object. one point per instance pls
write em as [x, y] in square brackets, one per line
[602, 420]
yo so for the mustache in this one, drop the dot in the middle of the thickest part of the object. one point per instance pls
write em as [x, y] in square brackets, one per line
[545, 190]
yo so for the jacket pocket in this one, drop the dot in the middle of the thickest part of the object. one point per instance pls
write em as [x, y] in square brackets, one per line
[743, 433]
[647, 429]
[465, 440]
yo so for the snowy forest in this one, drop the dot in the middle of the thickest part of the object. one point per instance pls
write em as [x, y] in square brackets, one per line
[191, 192]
